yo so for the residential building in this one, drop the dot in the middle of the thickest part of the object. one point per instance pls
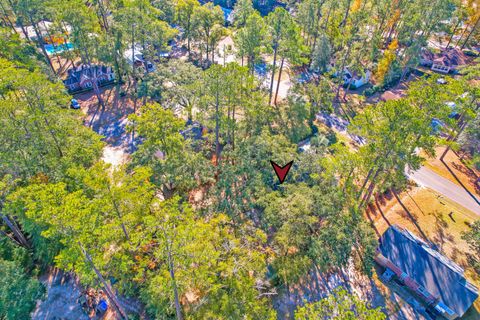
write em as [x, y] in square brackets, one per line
[355, 80]
[444, 62]
[136, 57]
[83, 77]
[435, 282]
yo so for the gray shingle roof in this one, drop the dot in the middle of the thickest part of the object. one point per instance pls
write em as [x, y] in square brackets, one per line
[440, 276]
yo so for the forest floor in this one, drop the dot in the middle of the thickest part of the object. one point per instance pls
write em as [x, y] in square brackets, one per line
[111, 121]
[61, 301]
[316, 286]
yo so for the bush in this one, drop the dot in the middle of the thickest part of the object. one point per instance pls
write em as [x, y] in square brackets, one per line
[371, 91]
[368, 92]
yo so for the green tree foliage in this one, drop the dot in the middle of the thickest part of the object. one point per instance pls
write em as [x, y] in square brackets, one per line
[12, 48]
[241, 11]
[229, 91]
[293, 115]
[161, 248]
[470, 141]
[18, 292]
[394, 130]
[40, 133]
[286, 41]
[339, 305]
[185, 10]
[134, 224]
[472, 237]
[245, 175]
[251, 39]
[176, 167]
[208, 19]
[321, 55]
[309, 16]
[214, 272]
[176, 84]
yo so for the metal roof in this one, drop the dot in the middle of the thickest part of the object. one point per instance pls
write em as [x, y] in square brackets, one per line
[439, 275]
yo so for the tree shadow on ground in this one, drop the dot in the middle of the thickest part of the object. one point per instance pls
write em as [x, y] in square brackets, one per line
[460, 182]
[411, 216]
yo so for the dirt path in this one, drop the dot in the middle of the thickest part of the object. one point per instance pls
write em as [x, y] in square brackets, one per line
[111, 122]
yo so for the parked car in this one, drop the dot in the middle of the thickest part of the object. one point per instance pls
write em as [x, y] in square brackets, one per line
[441, 81]
[74, 104]
[436, 126]
[454, 109]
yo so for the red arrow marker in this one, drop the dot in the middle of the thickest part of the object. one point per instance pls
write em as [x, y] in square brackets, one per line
[281, 171]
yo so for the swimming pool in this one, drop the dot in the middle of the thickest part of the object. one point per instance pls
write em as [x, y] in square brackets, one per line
[58, 48]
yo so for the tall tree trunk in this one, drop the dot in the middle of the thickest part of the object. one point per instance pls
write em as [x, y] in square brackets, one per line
[40, 44]
[54, 47]
[453, 33]
[117, 211]
[341, 71]
[20, 22]
[135, 84]
[93, 74]
[189, 37]
[213, 54]
[392, 28]
[207, 47]
[233, 128]
[279, 79]
[103, 14]
[217, 126]
[275, 48]
[364, 184]
[328, 17]
[366, 199]
[344, 21]
[17, 233]
[471, 32]
[224, 56]
[7, 18]
[108, 290]
[54, 137]
[47, 123]
[116, 61]
[461, 36]
[347, 89]
[459, 132]
[171, 270]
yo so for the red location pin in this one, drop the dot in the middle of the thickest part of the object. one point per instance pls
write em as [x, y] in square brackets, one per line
[281, 171]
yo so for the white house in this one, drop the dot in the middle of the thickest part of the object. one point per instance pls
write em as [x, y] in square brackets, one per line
[44, 28]
[136, 57]
[355, 80]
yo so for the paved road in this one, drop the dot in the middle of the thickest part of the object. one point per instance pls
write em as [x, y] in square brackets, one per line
[427, 178]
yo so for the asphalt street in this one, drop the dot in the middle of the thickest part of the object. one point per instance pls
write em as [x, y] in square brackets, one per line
[428, 178]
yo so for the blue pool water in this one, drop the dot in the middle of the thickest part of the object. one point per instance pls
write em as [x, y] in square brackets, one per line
[58, 48]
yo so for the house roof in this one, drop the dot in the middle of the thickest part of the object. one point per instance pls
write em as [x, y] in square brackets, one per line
[137, 54]
[84, 72]
[440, 276]
[450, 57]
